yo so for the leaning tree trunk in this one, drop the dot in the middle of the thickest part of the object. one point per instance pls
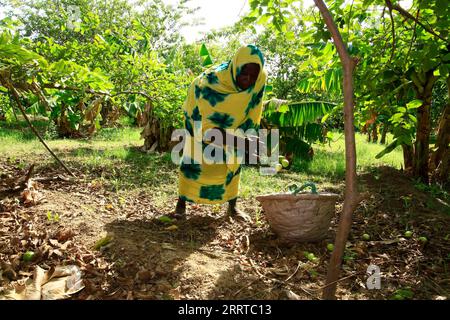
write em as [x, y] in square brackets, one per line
[424, 88]
[351, 199]
[439, 161]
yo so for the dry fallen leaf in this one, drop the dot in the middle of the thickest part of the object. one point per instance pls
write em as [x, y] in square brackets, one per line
[63, 282]
[175, 293]
[30, 290]
[31, 195]
[292, 296]
[62, 235]
[54, 284]
[7, 271]
[54, 242]
[130, 295]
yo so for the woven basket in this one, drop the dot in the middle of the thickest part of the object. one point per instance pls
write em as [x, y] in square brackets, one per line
[299, 217]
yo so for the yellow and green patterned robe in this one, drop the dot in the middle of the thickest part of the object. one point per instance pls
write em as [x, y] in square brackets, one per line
[215, 99]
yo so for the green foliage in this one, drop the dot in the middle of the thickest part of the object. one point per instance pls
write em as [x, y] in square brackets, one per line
[295, 114]
[274, 13]
[397, 53]
[310, 256]
[404, 124]
[103, 242]
[327, 81]
[206, 57]
[298, 122]
[402, 294]
[113, 60]
[116, 61]
[28, 256]
[165, 219]
[52, 217]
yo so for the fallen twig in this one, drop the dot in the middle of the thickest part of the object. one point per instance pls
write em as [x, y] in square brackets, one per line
[257, 271]
[245, 287]
[294, 273]
[339, 280]
[29, 174]
[55, 178]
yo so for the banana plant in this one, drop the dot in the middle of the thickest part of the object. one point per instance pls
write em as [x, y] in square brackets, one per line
[300, 123]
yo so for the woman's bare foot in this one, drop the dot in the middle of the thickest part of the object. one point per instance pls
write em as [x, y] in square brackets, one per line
[234, 212]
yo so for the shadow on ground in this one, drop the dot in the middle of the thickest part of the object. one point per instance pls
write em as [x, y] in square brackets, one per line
[149, 255]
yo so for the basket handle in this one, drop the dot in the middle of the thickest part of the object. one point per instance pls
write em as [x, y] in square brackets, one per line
[294, 188]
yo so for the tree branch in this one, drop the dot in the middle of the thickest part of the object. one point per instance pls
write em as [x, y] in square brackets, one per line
[337, 38]
[351, 193]
[393, 34]
[409, 16]
[415, 79]
[53, 86]
[413, 35]
[349, 19]
[133, 92]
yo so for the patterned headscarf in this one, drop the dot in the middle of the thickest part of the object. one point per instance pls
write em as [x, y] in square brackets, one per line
[215, 98]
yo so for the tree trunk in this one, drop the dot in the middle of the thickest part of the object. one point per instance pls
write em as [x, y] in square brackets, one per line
[408, 157]
[422, 142]
[104, 112]
[351, 198]
[156, 137]
[442, 173]
[424, 88]
[369, 136]
[439, 159]
[384, 133]
[442, 138]
[374, 133]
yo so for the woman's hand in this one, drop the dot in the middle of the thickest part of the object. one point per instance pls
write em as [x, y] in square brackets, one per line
[251, 143]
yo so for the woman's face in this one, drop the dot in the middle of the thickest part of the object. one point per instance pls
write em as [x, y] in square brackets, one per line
[248, 76]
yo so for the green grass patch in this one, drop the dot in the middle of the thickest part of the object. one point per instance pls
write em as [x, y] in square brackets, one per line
[329, 159]
[19, 131]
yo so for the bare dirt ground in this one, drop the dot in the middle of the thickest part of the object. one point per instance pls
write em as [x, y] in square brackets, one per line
[209, 256]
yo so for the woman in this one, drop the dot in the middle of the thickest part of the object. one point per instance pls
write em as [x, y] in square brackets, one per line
[225, 97]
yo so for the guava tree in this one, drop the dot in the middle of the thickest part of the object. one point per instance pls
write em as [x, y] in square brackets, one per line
[276, 12]
[136, 51]
[404, 54]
